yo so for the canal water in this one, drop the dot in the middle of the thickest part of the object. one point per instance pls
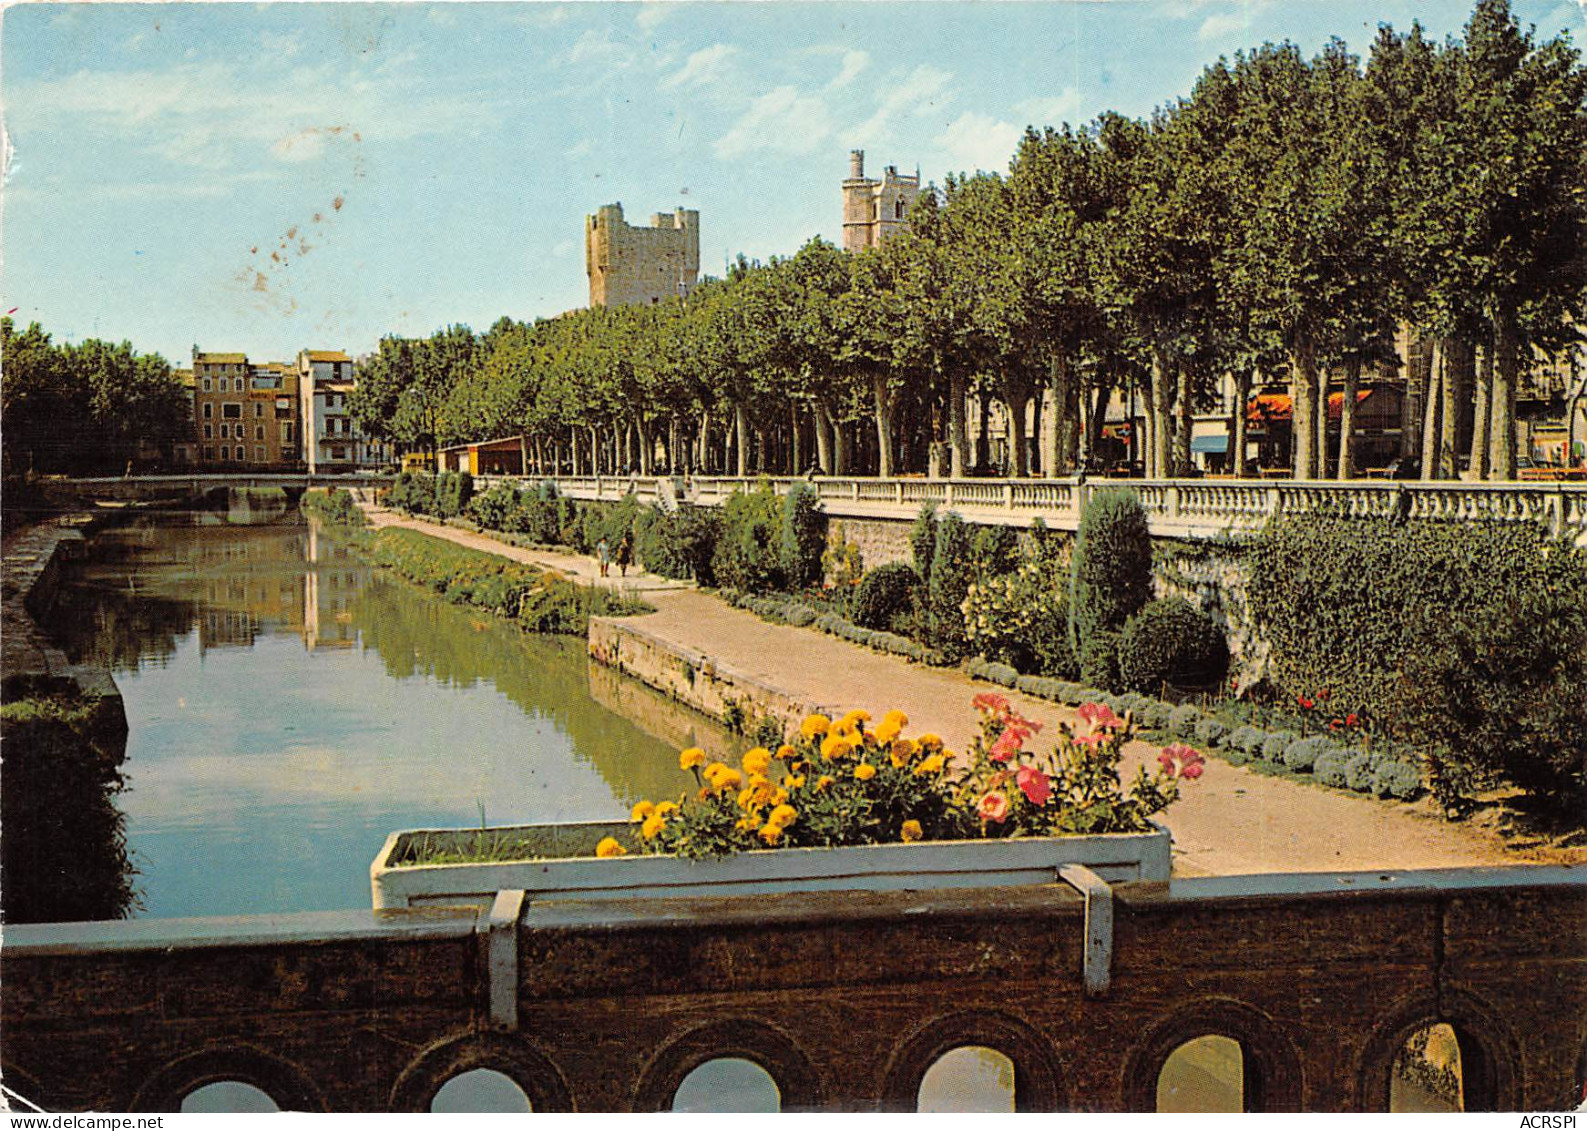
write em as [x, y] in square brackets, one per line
[289, 706]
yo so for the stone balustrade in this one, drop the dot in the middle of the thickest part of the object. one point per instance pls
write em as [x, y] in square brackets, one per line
[845, 999]
[1175, 508]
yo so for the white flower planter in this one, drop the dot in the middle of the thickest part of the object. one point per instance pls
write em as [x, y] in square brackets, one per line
[565, 866]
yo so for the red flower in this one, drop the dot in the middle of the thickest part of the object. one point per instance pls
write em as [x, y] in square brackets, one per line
[1037, 786]
[1352, 720]
[1305, 703]
[1098, 716]
[994, 807]
[1100, 738]
[1323, 694]
[1007, 745]
[990, 701]
[1180, 761]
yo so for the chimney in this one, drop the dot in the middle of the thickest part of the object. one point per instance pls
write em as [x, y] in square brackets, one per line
[856, 164]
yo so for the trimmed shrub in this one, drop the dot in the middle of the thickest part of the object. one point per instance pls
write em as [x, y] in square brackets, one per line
[1358, 771]
[804, 535]
[994, 550]
[1248, 739]
[951, 573]
[885, 594]
[748, 548]
[453, 490]
[414, 492]
[491, 509]
[1211, 732]
[1275, 744]
[1113, 563]
[1002, 673]
[1396, 779]
[1182, 721]
[923, 540]
[334, 506]
[1302, 753]
[1172, 642]
[1329, 768]
[1099, 659]
[1153, 715]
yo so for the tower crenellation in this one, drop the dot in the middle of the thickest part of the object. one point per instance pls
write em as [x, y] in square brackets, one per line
[628, 265]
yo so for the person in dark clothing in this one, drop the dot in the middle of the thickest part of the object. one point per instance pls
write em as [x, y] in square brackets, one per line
[625, 554]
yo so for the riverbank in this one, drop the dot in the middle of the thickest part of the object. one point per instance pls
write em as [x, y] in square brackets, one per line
[1232, 821]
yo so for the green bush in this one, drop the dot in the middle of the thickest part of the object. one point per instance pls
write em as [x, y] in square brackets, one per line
[453, 490]
[1099, 659]
[951, 574]
[1002, 673]
[1210, 732]
[1302, 753]
[1182, 721]
[923, 540]
[414, 492]
[748, 548]
[334, 506]
[1170, 641]
[679, 543]
[885, 594]
[1330, 768]
[1153, 715]
[1275, 744]
[1113, 562]
[1248, 739]
[1396, 779]
[804, 535]
[491, 509]
[994, 550]
[1358, 771]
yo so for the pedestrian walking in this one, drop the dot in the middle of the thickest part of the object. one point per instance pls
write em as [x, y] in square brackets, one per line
[603, 555]
[625, 554]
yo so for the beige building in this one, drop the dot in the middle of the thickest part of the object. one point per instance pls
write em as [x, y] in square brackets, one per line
[641, 265]
[874, 210]
[329, 437]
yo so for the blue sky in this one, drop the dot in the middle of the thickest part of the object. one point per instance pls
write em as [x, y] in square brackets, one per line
[276, 176]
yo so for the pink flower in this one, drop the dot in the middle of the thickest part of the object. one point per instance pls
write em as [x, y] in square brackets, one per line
[994, 807]
[1029, 726]
[990, 701]
[1037, 785]
[1098, 716]
[1181, 761]
[1101, 738]
[1008, 743]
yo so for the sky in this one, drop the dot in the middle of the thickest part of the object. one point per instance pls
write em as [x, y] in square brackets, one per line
[270, 177]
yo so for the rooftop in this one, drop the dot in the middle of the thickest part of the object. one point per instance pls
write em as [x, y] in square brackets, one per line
[326, 355]
[220, 358]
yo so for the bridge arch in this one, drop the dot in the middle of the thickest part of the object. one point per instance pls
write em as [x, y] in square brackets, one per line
[1038, 1072]
[1490, 1058]
[286, 1083]
[760, 1042]
[534, 1072]
[1272, 1071]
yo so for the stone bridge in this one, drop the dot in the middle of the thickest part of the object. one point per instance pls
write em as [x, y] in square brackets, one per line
[130, 488]
[1175, 508]
[845, 999]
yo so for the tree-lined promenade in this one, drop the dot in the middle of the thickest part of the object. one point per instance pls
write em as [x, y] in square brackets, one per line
[1279, 223]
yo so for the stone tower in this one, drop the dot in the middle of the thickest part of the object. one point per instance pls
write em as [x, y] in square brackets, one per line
[874, 210]
[641, 265]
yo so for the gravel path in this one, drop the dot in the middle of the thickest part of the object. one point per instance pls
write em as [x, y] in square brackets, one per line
[1232, 821]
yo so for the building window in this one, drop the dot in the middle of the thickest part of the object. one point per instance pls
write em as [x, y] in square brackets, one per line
[258, 432]
[206, 384]
[231, 410]
[237, 384]
[338, 453]
[259, 453]
[209, 452]
[209, 410]
[225, 453]
[898, 209]
[286, 433]
[209, 431]
[258, 408]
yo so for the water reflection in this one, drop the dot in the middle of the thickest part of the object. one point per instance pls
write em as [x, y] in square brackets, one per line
[290, 706]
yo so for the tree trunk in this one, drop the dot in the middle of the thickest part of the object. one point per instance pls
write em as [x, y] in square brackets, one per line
[1241, 423]
[1182, 420]
[1481, 416]
[824, 438]
[1096, 419]
[1320, 421]
[674, 447]
[1019, 464]
[1501, 400]
[741, 440]
[646, 447]
[882, 397]
[843, 441]
[1455, 390]
[797, 456]
[1159, 437]
[1056, 425]
[1077, 445]
[1347, 418]
[958, 434]
[983, 443]
[1303, 404]
[1149, 425]
[1432, 406]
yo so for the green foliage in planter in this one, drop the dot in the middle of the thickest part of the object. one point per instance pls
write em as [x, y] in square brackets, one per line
[1275, 744]
[1113, 563]
[885, 594]
[748, 551]
[923, 540]
[1182, 721]
[1099, 659]
[1172, 642]
[414, 492]
[1396, 779]
[804, 535]
[951, 574]
[1211, 732]
[453, 490]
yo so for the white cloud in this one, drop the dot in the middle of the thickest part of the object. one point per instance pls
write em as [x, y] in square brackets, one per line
[652, 14]
[919, 93]
[706, 66]
[853, 63]
[1216, 27]
[779, 121]
[1063, 107]
[600, 49]
[976, 141]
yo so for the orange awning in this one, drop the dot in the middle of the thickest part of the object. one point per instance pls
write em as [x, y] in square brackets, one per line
[1269, 408]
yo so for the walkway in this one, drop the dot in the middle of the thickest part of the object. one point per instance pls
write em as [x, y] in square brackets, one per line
[1232, 821]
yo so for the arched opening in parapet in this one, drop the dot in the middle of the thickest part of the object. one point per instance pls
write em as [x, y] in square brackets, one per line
[1205, 1074]
[229, 1096]
[1427, 1075]
[480, 1090]
[970, 1078]
[728, 1083]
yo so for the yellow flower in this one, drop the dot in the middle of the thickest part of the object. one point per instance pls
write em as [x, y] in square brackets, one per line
[898, 718]
[665, 807]
[748, 823]
[746, 798]
[910, 832]
[641, 811]
[864, 771]
[653, 825]
[823, 781]
[887, 731]
[691, 758]
[794, 781]
[727, 779]
[757, 761]
[610, 847]
[930, 741]
[783, 816]
[711, 772]
[771, 833]
[931, 765]
[787, 753]
[814, 726]
[858, 716]
[833, 748]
